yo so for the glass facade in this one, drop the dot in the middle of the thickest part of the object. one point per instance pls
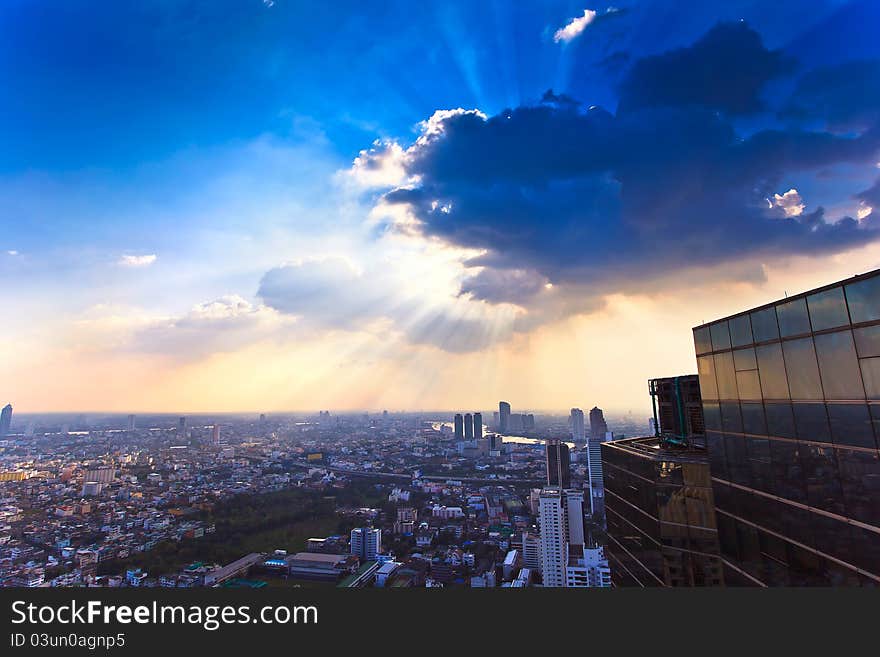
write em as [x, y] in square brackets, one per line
[791, 398]
[660, 515]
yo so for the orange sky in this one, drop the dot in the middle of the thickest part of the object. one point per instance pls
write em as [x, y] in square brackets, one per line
[601, 359]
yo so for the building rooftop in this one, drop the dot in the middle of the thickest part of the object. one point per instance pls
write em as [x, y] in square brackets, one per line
[652, 447]
[799, 295]
[318, 557]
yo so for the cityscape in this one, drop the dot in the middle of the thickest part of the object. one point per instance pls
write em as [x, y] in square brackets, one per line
[450, 295]
[761, 470]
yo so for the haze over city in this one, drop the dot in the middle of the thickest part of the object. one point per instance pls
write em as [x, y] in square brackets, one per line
[273, 206]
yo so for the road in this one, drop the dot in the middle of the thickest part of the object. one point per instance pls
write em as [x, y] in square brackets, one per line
[406, 477]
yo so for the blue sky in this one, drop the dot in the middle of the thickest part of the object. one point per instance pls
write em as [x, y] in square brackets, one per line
[179, 186]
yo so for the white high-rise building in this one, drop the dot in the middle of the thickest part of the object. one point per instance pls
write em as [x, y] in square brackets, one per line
[561, 514]
[574, 515]
[366, 542]
[554, 537]
[578, 431]
[565, 559]
[531, 551]
[590, 570]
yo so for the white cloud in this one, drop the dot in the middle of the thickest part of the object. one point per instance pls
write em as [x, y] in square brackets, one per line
[138, 260]
[222, 325]
[791, 203]
[575, 26]
[383, 165]
[12, 252]
[436, 124]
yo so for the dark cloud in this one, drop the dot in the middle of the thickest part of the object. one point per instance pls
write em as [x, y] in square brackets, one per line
[505, 286]
[845, 97]
[871, 196]
[560, 193]
[725, 70]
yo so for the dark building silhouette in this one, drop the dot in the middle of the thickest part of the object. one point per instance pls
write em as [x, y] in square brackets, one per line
[5, 420]
[503, 417]
[468, 427]
[459, 427]
[791, 399]
[478, 426]
[598, 426]
[558, 464]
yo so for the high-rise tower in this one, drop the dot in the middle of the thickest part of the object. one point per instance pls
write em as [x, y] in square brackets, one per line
[5, 420]
[503, 417]
[578, 433]
[598, 426]
[558, 464]
[459, 427]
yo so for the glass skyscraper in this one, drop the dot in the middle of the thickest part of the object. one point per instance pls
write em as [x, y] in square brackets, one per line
[660, 512]
[791, 400]
[660, 515]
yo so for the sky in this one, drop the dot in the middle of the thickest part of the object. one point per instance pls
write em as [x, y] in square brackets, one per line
[275, 205]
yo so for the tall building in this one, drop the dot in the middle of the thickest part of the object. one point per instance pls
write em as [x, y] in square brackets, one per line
[561, 517]
[5, 420]
[503, 417]
[131, 422]
[459, 427]
[660, 511]
[478, 426]
[595, 479]
[215, 434]
[578, 432]
[515, 423]
[366, 542]
[558, 464]
[660, 515]
[598, 426]
[468, 427]
[791, 398]
[528, 422]
[181, 427]
[531, 547]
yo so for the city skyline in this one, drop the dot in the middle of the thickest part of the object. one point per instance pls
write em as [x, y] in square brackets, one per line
[233, 207]
[762, 470]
